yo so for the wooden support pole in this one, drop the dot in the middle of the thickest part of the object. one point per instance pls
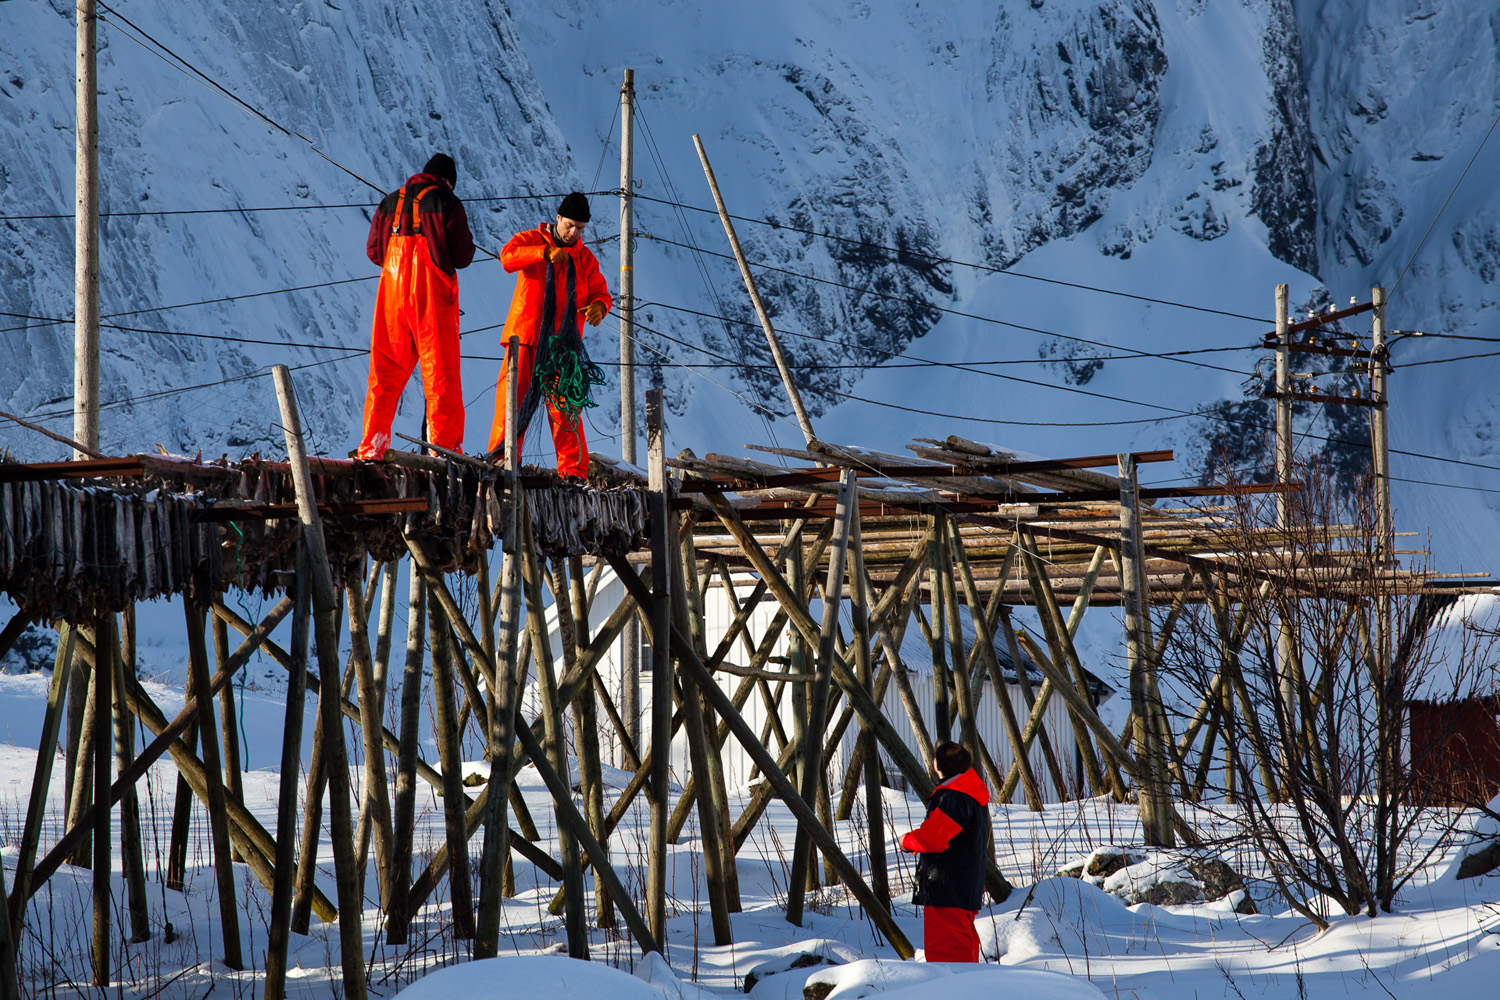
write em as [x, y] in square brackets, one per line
[403, 804]
[985, 641]
[101, 697]
[576, 917]
[132, 850]
[325, 627]
[41, 779]
[942, 714]
[218, 823]
[228, 722]
[869, 759]
[708, 820]
[182, 805]
[1153, 793]
[451, 762]
[10, 980]
[573, 605]
[1091, 768]
[948, 541]
[278, 929]
[375, 805]
[812, 758]
[691, 605]
[660, 604]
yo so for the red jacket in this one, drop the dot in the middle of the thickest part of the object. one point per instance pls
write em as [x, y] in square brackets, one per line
[525, 253]
[952, 841]
[445, 224]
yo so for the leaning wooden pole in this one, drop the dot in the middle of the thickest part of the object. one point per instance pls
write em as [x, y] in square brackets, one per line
[859, 591]
[41, 778]
[102, 699]
[376, 805]
[10, 980]
[495, 852]
[817, 710]
[279, 928]
[325, 603]
[132, 851]
[403, 805]
[803, 420]
[218, 821]
[445, 730]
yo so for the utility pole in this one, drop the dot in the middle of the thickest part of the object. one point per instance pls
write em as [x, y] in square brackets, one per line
[1286, 641]
[1387, 685]
[630, 663]
[1380, 444]
[86, 240]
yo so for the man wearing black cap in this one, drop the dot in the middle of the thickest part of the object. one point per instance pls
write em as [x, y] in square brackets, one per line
[558, 288]
[419, 238]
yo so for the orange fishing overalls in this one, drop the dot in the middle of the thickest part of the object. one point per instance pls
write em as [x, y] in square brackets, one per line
[526, 254]
[416, 319]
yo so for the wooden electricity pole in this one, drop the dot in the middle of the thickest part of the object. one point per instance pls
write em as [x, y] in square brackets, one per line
[86, 241]
[1286, 641]
[630, 662]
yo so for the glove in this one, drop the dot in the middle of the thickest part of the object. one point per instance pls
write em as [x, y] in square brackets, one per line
[555, 255]
[593, 313]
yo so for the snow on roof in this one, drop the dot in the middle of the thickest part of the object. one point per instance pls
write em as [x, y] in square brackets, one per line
[1461, 656]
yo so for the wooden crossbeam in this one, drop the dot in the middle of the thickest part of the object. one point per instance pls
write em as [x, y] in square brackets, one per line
[91, 468]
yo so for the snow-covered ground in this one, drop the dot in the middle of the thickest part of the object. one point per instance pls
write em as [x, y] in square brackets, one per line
[1054, 938]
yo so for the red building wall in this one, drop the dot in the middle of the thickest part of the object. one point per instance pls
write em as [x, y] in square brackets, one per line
[1455, 750]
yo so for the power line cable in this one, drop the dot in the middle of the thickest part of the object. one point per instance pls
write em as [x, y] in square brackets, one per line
[468, 200]
[937, 259]
[1439, 215]
[782, 331]
[705, 275]
[208, 81]
[943, 309]
[1177, 414]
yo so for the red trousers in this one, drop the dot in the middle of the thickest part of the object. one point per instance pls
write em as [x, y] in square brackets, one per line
[416, 320]
[567, 432]
[948, 934]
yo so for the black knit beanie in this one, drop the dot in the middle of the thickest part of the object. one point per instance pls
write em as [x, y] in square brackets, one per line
[575, 206]
[441, 166]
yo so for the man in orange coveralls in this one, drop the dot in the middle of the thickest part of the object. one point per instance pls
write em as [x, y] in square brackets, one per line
[950, 872]
[419, 238]
[558, 287]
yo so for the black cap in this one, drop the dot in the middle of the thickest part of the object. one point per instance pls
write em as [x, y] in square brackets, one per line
[441, 166]
[575, 206]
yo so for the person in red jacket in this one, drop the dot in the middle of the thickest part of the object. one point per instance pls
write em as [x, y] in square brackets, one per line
[419, 239]
[952, 841]
[558, 288]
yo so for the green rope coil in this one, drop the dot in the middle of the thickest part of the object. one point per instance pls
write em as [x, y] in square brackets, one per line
[566, 377]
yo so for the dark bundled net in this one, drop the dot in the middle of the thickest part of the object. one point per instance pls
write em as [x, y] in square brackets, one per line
[564, 376]
[567, 376]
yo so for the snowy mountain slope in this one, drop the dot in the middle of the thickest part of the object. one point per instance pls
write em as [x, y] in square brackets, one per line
[1184, 152]
[377, 86]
